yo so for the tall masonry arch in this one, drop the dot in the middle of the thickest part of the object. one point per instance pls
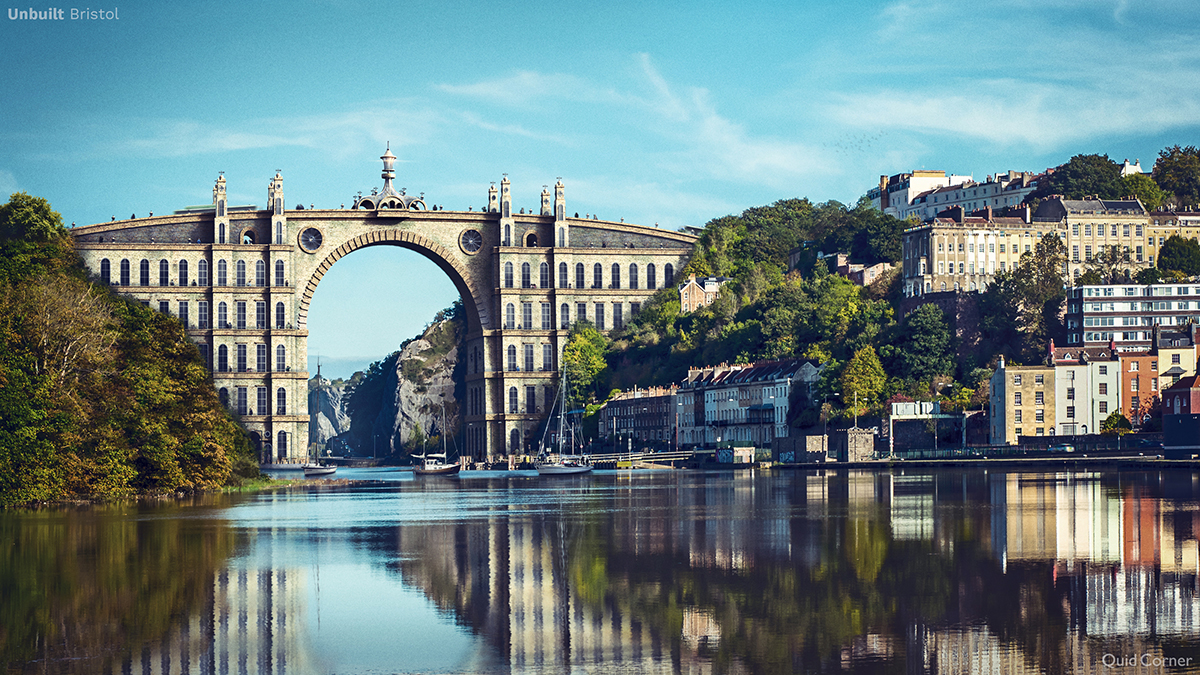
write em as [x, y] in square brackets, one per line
[241, 279]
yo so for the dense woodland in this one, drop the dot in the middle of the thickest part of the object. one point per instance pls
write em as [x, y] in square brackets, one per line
[99, 396]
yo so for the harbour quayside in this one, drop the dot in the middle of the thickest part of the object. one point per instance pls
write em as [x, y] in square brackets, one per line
[559, 463]
[436, 464]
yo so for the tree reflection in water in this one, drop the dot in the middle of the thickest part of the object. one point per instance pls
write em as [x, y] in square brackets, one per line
[81, 589]
[806, 573]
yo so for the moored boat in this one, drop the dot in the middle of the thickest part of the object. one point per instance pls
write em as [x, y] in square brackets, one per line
[311, 470]
[435, 465]
[563, 466]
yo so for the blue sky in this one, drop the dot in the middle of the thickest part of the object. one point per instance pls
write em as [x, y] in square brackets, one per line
[669, 113]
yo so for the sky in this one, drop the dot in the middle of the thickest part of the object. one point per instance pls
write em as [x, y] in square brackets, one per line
[668, 113]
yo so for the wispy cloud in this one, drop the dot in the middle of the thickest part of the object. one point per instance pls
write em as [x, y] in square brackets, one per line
[339, 134]
[8, 184]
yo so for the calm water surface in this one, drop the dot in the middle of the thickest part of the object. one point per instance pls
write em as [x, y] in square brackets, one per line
[645, 572]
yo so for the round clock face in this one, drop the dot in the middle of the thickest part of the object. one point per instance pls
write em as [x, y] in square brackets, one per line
[471, 241]
[310, 239]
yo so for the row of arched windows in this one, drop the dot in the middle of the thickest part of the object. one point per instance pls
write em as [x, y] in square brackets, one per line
[242, 364]
[240, 273]
[242, 405]
[634, 279]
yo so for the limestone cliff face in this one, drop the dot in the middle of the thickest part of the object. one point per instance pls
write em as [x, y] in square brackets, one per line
[326, 419]
[422, 381]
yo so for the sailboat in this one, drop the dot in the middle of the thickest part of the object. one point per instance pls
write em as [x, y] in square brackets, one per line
[560, 463]
[435, 464]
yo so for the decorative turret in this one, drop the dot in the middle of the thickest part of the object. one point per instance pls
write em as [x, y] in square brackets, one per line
[388, 197]
[506, 220]
[561, 228]
[277, 207]
[221, 214]
[545, 201]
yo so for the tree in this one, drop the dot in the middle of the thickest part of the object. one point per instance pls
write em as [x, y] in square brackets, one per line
[1110, 265]
[583, 363]
[1177, 172]
[1180, 254]
[863, 379]
[1084, 176]
[1116, 424]
[923, 349]
[1144, 188]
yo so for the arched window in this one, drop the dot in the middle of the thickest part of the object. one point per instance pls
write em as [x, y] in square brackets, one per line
[668, 274]
[616, 275]
[512, 357]
[512, 401]
[633, 275]
[510, 315]
[124, 272]
[597, 276]
[562, 236]
[281, 401]
[223, 395]
[222, 315]
[221, 234]
[223, 361]
[183, 273]
[562, 275]
[105, 271]
[564, 317]
[508, 235]
[164, 273]
[241, 273]
[544, 276]
[202, 272]
[651, 280]
[578, 275]
[278, 233]
[526, 276]
[222, 273]
[279, 280]
[260, 273]
[508, 275]
[144, 273]
[514, 440]
[279, 315]
[280, 359]
[531, 240]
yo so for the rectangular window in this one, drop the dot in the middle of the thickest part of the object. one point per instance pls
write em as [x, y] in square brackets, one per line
[241, 315]
[164, 306]
[618, 316]
[634, 308]
[1154, 365]
[183, 313]
[242, 404]
[528, 358]
[1017, 398]
[1039, 415]
[581, 311]
[1102, 388]
[1039, 398]
[1133, 384]
[202, 314]
[1103, 370]
[1102, 407]
[1070, 393]
[526, 315]
[1017, 415]
[530, 399]
[600, 316]
[547, 357]
[1133, 366]
[1039, 379]
[547, 317]
[261, 406]
[241, 358]
[260, 354]
[1017, 379]
[1174, 359]
[1070, 412]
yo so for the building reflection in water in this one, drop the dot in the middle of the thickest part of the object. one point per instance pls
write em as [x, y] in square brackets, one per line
[922, 572]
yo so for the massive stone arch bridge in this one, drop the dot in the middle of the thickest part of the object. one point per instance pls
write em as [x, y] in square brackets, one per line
[242, 278]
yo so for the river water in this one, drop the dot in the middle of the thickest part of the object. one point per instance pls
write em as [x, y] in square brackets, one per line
[627, 572]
